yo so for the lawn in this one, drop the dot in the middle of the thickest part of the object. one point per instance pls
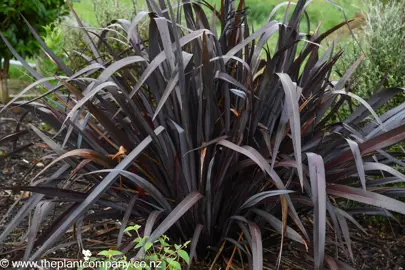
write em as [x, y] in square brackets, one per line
[85, 9]
[318, 10]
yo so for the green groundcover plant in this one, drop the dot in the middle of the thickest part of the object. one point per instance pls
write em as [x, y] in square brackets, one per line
[208, 137]
[157, 255]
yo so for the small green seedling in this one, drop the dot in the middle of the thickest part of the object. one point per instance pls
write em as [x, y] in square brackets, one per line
[158, 255]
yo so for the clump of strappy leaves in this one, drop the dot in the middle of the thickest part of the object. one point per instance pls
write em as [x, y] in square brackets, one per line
[207, 136]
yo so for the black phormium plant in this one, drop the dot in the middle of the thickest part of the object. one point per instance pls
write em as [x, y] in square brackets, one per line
[213, 139]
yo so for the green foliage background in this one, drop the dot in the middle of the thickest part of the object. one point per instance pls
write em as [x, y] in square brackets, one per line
[382, 38]
[38, 12]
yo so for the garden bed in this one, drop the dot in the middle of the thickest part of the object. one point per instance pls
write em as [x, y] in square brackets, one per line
[382, 248]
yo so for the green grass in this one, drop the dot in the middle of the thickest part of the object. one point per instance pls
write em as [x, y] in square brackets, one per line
[19, 79]
[85, 10]
[318, 10]
[18, 73]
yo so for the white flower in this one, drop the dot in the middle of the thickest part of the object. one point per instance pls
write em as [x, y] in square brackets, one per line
[86, 254]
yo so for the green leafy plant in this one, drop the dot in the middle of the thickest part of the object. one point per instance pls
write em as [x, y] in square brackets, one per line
[53, 38]
[107, 11]
[14, 28]
[382, 39]
[160, 253]
[112, 256]
[169, 256]
[78, 44]
[196, 133]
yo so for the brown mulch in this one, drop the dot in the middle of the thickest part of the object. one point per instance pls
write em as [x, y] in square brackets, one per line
[382, 248]
[17, 169]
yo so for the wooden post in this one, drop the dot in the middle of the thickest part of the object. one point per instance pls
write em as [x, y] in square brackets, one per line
[4, 95]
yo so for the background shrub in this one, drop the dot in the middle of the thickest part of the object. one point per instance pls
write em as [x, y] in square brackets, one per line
[54, 39]
[382, 38]
[14, 28]
[99, 15]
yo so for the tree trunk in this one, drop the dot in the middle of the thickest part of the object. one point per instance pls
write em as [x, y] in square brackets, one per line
[4, 97]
